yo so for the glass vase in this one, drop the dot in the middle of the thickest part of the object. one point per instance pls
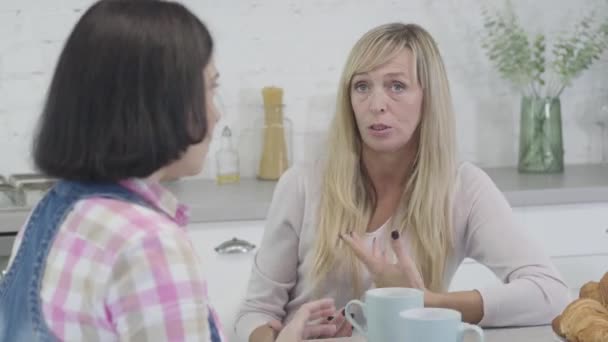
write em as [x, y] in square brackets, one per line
[541, 148]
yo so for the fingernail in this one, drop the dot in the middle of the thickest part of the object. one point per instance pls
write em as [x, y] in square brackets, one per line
[395, 234]
[330, 318]
[343, 313]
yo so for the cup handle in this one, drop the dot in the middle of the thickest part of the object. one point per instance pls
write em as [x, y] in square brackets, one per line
[477, 330]
[350, 318]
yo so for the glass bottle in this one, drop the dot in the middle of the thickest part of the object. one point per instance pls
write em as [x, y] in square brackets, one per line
[227, 160]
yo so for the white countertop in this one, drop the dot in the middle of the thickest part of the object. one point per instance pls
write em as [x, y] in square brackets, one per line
[250, 199]
[528, 334]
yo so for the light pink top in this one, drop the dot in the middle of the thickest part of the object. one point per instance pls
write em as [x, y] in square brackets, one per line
[532, 291]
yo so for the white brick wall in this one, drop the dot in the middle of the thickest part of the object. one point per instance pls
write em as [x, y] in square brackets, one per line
[301, 46]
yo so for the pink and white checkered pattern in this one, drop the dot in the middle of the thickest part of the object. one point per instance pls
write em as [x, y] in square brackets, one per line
[120, 271]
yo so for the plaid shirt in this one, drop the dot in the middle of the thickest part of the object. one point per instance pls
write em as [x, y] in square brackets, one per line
[120, 271]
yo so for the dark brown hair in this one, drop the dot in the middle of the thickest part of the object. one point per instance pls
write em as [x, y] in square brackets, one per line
[128, 93]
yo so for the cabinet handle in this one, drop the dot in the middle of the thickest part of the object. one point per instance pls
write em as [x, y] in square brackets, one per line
[234, 246]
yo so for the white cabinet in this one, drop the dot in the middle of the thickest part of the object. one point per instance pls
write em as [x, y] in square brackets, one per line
[568, 230]
[574, 236]
[472, 275]
[227, 274]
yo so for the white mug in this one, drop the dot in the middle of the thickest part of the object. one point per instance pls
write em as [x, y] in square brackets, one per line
[381, 310]
[435, 325]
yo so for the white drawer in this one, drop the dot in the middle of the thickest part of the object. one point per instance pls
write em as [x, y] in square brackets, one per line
[472, 275]
[575, 270]
[567, 229]
[227, 274]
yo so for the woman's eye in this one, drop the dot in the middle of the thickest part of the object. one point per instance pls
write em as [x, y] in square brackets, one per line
[398, 87]
[361, 87]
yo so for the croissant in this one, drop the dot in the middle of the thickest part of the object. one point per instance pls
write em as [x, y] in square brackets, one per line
[591, 290]
[585, 319]
[596, 331]
[596, 321]
[555, 325]
[578, 315]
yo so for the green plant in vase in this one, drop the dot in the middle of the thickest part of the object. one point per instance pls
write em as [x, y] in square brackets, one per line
[521, 60]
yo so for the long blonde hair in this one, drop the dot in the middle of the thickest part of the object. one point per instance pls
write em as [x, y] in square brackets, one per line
[347, 200]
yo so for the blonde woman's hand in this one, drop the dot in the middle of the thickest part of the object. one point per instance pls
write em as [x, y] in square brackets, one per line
[310, 321]
[403, 273]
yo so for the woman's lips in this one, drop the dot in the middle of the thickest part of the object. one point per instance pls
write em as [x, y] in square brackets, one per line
[379, 130]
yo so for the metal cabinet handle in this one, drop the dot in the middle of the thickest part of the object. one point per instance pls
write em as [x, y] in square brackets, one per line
[234, 246]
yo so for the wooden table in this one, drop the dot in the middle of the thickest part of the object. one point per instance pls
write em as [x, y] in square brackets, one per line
[528, 334]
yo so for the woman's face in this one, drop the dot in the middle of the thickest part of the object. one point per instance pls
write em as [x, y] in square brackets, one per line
[387, 103]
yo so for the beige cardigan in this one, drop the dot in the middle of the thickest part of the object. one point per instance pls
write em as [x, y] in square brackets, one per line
[484, 229]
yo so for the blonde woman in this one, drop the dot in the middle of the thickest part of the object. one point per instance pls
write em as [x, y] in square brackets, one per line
[390, 186]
